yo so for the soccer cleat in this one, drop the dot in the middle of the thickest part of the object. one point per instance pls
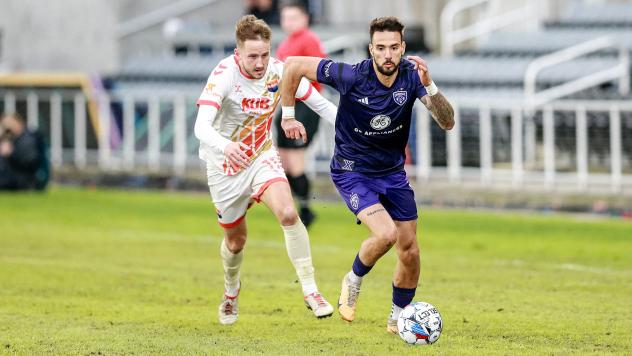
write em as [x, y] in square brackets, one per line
[228, 310]
[391, 322]
[391, 326]
[348, 299]
[317, 303]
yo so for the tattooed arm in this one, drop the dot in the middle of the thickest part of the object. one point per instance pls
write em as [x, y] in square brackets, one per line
[440, 109]
[435, 102]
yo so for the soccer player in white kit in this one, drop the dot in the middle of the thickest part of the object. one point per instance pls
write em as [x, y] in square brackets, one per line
[235, 114]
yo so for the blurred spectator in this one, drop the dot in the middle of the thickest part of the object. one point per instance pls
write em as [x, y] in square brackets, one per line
[23, 156]
[308, 6]
[266, 10]
[300, 41]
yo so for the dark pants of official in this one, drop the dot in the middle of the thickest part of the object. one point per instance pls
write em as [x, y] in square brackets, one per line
[10, 179]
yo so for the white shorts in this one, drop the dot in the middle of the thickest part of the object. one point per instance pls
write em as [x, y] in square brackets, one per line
[233, 195]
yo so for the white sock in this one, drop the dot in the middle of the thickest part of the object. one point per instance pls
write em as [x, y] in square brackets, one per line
[395, 310]
[297, 244]
[354, 278]
[232, 264]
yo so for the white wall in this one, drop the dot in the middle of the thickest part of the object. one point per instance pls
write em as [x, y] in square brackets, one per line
[80, 35]
[70, 35]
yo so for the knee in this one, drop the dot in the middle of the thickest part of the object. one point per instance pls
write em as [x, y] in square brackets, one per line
[288, 216]
[235, 243]
[410, 255]
[388, 236]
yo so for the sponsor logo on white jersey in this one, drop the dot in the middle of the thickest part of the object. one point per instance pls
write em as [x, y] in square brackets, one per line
[255, 105]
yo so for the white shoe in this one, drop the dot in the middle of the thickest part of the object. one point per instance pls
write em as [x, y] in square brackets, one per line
[228, 310]
[317, 303]
[391, 322]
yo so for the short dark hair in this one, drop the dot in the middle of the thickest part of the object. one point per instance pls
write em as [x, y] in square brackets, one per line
[249, 27]
[296, 4]
[389, 24]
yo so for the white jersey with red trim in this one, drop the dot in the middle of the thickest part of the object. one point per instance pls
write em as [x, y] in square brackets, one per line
[245, 108]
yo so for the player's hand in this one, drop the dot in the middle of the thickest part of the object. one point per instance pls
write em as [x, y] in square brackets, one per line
[294, 129]
[422, 69]
[235, 152]
[6, 148]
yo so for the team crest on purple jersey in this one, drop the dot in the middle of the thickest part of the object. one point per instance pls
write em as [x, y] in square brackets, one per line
[400, 97]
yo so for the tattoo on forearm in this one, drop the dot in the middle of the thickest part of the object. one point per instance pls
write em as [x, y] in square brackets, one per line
[441, 110]
[374, 212]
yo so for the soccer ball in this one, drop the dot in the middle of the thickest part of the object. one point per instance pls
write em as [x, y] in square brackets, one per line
[419, 324]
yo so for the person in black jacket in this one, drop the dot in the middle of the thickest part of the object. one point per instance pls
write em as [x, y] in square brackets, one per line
[23, 156]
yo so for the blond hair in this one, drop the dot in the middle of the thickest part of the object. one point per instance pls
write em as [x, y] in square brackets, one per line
[249, 27]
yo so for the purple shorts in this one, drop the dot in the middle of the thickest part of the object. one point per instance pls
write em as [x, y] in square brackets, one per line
[393, 191]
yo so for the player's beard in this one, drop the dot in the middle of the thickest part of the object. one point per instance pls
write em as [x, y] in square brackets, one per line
[257, 75]
[384, 71]
[252, 71]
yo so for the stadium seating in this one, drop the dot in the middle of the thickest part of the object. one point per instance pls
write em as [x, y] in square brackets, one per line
[500, 60]
[547, 40]
[495, 68]
[597, 15]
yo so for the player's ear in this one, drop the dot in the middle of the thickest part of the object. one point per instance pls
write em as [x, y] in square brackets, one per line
[403, 47]
[371, 49]
[236, 51]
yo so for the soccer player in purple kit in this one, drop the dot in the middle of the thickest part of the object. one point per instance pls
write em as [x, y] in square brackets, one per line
[372, 127]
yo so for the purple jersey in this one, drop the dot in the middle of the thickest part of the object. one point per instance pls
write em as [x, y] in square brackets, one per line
[373, 121]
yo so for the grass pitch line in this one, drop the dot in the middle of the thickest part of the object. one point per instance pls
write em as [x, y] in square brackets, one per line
[564, 266]
[582, 268]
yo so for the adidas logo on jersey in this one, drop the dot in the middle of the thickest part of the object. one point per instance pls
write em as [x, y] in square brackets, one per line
[364, 101]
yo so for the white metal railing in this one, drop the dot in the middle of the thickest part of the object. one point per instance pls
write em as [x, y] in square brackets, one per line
[621, 71]
[547, 174]
[170, 119]
[451, 36]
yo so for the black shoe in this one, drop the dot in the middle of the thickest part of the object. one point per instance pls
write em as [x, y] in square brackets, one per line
[307, 216]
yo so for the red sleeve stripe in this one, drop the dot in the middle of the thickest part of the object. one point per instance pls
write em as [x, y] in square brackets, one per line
[309, 92]
[208, 102]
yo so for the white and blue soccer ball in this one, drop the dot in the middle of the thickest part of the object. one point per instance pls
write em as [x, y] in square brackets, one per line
[419, 324]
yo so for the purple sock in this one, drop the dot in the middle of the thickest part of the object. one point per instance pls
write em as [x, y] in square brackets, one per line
[403, 296]
[359, 268]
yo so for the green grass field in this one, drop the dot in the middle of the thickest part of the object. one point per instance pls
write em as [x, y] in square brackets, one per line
[122, 272]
